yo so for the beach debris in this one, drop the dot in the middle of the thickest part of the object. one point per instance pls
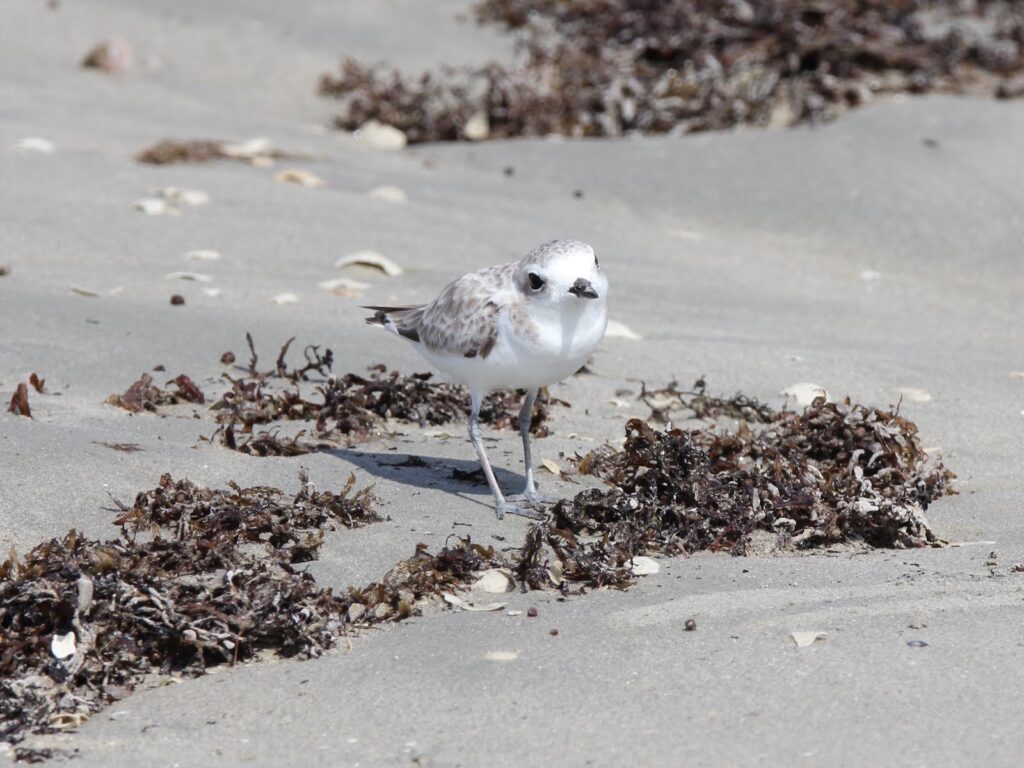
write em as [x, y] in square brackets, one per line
[190, 276]
[144, 395]
[301, 177]
[617, 330]
[202, 255]
[553, 632]
[120, 447]
[35, 144]
[501, 655]
[914, 394]
[19, 402]
[532, 612]
[213, 293]
[641, 565]
[803, 639]
[111, 56]
[4, 270]
[917, 644]
[690, 625]
[258, 152]
[285, 298]
[380, 136]
[228, 358]
[372, 259]
[619, 67]
[1017, 374]
[805, 392]
[869, 275]
[389, 194]
[496, 580]
[37, 383]
[177, 300]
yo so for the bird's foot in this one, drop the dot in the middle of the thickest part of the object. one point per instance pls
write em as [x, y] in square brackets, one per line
[532, 498]
[508, 508]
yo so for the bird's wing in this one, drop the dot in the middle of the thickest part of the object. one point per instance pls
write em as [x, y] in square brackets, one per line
[463, 319]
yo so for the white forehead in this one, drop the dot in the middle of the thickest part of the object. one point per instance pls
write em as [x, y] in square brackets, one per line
[561, 254]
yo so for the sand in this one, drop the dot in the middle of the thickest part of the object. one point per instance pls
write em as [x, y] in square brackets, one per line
[858, 256]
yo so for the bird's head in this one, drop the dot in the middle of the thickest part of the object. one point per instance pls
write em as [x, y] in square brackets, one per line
[562, 273]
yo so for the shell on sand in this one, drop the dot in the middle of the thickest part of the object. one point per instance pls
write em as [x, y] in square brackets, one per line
[381, 136]
[389, 194]
[370, 259]
[301, 177]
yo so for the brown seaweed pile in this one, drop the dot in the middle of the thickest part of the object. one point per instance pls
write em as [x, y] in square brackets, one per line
[614, 67]
[144, 395]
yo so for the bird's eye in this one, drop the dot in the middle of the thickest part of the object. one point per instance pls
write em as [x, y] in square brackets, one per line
[536, 281]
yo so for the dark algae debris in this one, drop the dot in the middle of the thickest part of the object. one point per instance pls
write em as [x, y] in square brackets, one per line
[614, 67]
[144, 395]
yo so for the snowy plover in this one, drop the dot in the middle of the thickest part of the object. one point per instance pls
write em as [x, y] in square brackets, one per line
[522, 325]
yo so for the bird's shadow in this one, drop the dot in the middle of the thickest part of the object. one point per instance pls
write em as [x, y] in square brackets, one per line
[460, 477]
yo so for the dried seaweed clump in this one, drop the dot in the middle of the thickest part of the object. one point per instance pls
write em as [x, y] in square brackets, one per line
[351, 407]
[198, 577]
[836, 472]
[144, 395]
[615, 67]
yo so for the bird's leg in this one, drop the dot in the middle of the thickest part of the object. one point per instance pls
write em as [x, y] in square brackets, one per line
[501, 506]
[530, 494]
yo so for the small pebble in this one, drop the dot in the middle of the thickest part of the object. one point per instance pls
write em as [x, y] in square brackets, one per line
[553, 633]
[532, 613]
[177, 300]
[690, 625]
[917, 643]
[578, 194]
[227, 358]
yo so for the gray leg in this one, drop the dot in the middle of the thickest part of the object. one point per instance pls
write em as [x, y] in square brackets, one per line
[501, 506]
[530, 494]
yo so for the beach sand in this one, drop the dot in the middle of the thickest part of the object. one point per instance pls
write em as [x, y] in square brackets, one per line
[877, 255]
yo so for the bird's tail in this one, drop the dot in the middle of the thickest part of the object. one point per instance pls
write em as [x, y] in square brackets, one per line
[390, 318]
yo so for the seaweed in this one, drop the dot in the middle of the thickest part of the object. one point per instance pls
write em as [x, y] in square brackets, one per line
[19, 402]
[144, 395]
[615, 67]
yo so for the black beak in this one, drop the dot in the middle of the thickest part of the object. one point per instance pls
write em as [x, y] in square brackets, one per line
[583, 289]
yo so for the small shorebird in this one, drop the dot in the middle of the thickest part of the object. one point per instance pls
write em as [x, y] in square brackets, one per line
[522, 325]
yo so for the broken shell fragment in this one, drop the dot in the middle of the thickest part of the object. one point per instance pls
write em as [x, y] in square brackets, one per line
[381, 136]
[179, 196]
[151, 206]
[914, 394]
[35, 144]
[617, 330]
[301, 177]
[62, 646]
[370, 259]
[552, 467]
[202, 255]
[389, 194]
[457, 602]
[285, 298]
[495, 580]
[477, 128]
[501, 655]
[111, 56]
[804, 639]
[193, 276]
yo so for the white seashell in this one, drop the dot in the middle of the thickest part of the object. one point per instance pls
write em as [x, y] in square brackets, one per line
[194, 276]
[151, 206]
[804, 639]
[617, 330]
[914, 394]
[285, 298]
[495, 580]
[389, 194]
[501, 655]
[213, 293]
[643, 566]
[85, 291]
[370, 259]
[301, 177]
[246, 150]
[203, 256]
[62, 646]
[35, 144]
[477, 128]
[805, 393]
[381, 136]
[869, 275]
